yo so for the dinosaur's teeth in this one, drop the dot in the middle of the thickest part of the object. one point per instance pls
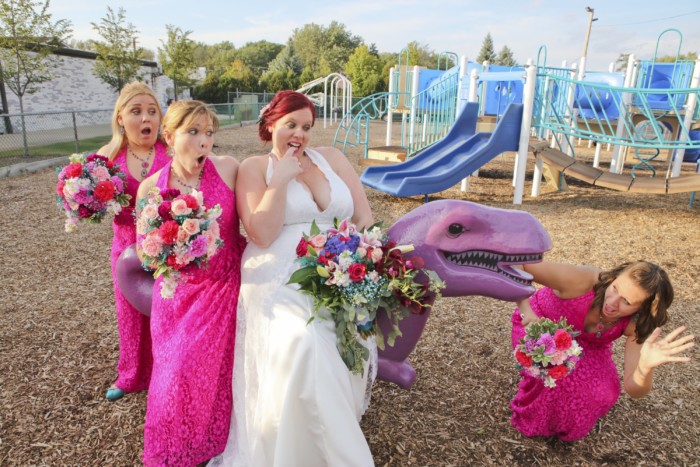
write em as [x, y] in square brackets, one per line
[490, 261]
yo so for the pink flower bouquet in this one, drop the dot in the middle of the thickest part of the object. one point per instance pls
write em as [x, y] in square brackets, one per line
[89, 188]
[548, 350]
[352, 274]
[175, 231]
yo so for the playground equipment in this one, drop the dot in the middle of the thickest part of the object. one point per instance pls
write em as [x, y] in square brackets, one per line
[462, 151]
[445, 163]
[425, 99]
[653, 110]
[339, 99]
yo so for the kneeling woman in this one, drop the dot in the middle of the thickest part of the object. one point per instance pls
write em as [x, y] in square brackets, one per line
[632, 301]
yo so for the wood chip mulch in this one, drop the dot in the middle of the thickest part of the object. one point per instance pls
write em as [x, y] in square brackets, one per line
[59, 345]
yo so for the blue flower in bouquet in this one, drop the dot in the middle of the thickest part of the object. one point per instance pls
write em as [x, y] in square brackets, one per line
[338, 244]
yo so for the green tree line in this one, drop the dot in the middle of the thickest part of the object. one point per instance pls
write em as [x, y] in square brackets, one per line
[311, 51]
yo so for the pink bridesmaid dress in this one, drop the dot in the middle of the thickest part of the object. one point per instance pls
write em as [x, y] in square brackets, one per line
[135, 360]
[571, 409]
[189, 398]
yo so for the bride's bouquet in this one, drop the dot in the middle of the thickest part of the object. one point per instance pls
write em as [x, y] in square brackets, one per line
[548, 351]
[89, 188]
[175, 231]
[352, 274]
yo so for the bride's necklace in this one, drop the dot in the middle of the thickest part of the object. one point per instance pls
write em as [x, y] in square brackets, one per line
[602, 323]
[188, 187]
[144, 162]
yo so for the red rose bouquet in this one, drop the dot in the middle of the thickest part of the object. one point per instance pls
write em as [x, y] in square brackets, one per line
[352, 274]
[89, 188]
[548, 350]
[175, 231]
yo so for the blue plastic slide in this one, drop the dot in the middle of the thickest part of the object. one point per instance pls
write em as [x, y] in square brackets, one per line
[451, 159]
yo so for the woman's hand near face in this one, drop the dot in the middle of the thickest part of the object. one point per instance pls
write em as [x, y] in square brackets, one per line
[285, 168]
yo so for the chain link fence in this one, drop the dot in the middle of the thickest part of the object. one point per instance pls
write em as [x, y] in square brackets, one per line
[42, 135]
[53, 134]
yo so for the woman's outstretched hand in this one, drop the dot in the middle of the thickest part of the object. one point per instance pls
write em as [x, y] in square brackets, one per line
[656, 351]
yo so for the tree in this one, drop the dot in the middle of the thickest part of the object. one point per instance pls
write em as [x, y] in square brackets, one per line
[691, 56]
[287, 59]
[487, 51]
[177, 57]
[28, 37]
[118, 58]
[621, 62]
[505, 57]
[277, 80]
[86, 46]
[239, 76]
[215, 58]
[364, 70]
[324, 50]
[257, 55]
[421, 55]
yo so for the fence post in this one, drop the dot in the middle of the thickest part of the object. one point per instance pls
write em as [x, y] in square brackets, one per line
[25, 143]
[75, 132]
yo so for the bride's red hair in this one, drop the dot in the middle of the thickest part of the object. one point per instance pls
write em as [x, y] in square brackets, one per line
[283, 103]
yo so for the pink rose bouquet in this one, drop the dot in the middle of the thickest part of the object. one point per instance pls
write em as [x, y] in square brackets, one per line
[89, 188]
[548, 350]
[175, 231]
[351, 274]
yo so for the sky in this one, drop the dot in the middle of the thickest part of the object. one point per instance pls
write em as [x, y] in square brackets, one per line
[457, 26]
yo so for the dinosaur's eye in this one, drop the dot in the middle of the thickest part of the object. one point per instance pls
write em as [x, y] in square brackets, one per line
[455, 230]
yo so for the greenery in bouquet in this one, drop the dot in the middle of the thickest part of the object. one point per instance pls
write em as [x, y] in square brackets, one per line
[352, 274]
[175, 231]
[548, 351]
[89, 188]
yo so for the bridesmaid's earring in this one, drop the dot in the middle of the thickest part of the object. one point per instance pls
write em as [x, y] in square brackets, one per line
[121, 130]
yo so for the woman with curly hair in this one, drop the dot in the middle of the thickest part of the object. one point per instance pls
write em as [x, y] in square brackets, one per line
[630, 300]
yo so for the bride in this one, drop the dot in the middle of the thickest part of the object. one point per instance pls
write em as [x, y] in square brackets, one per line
[295, 401]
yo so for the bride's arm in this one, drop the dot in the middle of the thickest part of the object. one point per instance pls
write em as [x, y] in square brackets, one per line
[261, 206]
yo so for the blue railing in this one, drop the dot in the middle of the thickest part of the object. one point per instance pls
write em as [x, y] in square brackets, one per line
[588, 110]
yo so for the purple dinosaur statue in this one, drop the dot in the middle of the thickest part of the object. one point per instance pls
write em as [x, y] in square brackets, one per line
[472, 248]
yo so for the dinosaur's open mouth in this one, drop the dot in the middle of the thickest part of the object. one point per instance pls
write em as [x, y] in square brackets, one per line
[495, 262]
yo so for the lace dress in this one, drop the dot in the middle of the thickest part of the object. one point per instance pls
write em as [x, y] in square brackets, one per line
[135, 360]
[189, 398]
[295, 401]
[571, 409]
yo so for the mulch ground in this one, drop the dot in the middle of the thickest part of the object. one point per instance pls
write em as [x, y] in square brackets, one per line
[59, 345]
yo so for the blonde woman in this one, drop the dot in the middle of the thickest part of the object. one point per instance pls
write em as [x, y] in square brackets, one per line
[189, 398]
[139, 151]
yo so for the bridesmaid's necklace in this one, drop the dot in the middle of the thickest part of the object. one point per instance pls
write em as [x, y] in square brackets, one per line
[602, 323]
[144, 162]
[188, 188]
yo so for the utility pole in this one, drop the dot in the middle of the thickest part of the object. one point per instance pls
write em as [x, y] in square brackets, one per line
[582, 68]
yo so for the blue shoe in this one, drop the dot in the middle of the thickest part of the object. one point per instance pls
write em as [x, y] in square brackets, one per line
[114, 394]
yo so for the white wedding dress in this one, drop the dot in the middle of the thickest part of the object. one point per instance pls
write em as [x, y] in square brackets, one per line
[295, 401]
